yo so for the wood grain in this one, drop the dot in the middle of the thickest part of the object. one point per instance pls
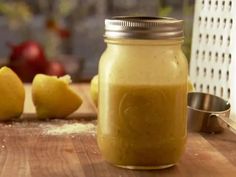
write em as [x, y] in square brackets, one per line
[27, 151]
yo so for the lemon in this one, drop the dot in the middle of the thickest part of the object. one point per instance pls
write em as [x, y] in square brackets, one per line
[12, 94]
[190, 86]
[53, 97]
[94, 89]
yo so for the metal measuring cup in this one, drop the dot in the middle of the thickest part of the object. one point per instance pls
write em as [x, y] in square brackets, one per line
[208, 113]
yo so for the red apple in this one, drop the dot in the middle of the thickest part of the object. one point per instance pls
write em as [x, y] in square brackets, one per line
[55, 68]
[27, 59]
[29, 52]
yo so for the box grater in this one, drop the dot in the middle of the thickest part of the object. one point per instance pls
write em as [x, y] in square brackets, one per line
[213, 62]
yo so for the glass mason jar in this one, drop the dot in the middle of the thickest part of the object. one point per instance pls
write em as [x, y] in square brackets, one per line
[142, 93]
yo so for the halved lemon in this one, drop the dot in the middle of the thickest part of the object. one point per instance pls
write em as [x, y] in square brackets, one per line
[53, 97]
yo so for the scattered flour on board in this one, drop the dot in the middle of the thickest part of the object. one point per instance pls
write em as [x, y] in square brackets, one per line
[67, 129]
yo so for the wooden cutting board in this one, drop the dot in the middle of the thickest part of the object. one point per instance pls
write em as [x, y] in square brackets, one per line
[26, 151]
[30, 149]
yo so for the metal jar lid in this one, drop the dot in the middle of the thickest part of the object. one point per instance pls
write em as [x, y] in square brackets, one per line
[141, 27]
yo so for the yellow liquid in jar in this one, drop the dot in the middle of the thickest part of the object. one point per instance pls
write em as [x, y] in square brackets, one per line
[143, 126]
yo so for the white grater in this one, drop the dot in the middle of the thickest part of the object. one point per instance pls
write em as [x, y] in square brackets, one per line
[213, 55]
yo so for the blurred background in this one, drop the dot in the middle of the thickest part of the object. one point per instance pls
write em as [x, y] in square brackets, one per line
[66, 36]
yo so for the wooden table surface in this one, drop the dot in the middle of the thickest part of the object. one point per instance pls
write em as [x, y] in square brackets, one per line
[26, 151]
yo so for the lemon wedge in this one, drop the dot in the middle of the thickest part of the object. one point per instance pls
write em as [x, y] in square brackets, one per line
[12, 94]
[94, 89]
[53, 97]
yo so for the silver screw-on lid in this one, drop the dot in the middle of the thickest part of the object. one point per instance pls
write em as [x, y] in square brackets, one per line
[141, 27]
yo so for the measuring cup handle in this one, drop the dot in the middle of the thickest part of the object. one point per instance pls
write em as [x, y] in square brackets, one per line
[228, 121]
